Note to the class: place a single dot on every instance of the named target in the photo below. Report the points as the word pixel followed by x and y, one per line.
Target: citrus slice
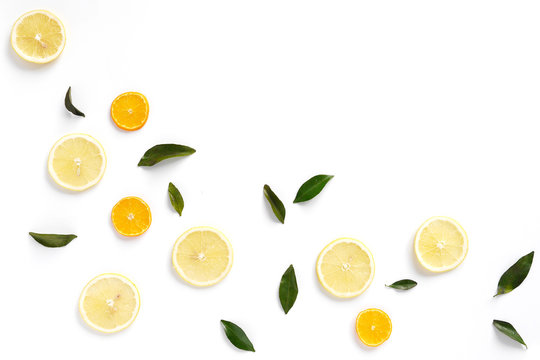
pixel 129 111
pixel 345 268
pixel 109 303
pixel 38 36
pixel 77 162
pixel 202 256
pixel 131 216
pixel 441 244
pixel 373 327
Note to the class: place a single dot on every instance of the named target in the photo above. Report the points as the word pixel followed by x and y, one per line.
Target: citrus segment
pixel 131 216
pixel 109 303
pixel 77 162
pixel 373 327
pixel 38 36
pixel 441 244
pixel 202 256
pixel 129 111
pixel 345 267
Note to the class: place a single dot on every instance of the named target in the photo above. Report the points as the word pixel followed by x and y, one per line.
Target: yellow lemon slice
pixel 109 303
pixel 441 244
pixel 77 162
pixel 202 256
pixel 345 268
pixel 38 36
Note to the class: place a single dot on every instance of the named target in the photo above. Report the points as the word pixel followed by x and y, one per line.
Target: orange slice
pixel 373 327
pixel 131 216
pixel 129 111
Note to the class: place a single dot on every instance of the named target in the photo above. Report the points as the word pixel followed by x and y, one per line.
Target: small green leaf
pixel 237 336
pixel 404 284
pixel 164 151
pixel 312 188
pixel 508 330
pixel 177 201
pixel 277 206
pixel 69 105
pixel 514 276
pixel 52 240
pixel 288 289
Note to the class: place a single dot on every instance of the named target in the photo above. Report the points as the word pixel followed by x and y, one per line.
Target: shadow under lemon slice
pixel 345 267
pixel 202 256
pixel 109 303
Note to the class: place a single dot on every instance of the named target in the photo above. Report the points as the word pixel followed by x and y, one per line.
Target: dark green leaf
pixel 404 284
pixel 514 276
pixel 52 240
pixel 177 201
pixel 312 188
pixel 508 330
pixel 164 151
pixel 69 105
pixel 237 336
pixel 277 206
pixel 288 289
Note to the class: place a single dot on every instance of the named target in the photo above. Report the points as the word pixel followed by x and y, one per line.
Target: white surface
pixel 418 108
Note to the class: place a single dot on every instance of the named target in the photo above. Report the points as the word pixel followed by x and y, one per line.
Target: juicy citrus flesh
pixel 109 303
pixel 373 327
pixel 77 162
pixel 131 216
pixel 345 267
pixel 202 256
pixel 129 111
pixel 441 244
pixel 38 36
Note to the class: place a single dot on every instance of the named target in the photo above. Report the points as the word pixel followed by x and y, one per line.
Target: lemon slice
pixel 109 303
pixel 441 244
pixel 38 36
pixel 202 256
pixel 345 268
pixel 77 162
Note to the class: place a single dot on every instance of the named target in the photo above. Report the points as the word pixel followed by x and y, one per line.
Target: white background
pixel 419 108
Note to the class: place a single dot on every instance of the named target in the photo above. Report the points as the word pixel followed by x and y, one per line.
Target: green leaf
pixel 312 188
pixel 404 284
pixel 508 330
pixel 52 240
pixel 69 105
pixel 164 151
pixel 177 201
pixel 514 276
pixel 237 336
pixel 288 289
pixel 277 206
